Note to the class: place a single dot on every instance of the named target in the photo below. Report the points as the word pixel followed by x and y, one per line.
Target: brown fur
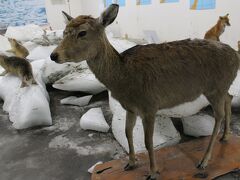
pixel 19 67
pixel 216 31
pixel 147 78
pixel 18 49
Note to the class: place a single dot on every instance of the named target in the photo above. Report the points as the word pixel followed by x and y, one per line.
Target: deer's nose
pixel 54 57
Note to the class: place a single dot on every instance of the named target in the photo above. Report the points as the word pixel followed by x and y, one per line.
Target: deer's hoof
pixel 202 165
pixel 151 178
pixel 129 167
pixel 224 139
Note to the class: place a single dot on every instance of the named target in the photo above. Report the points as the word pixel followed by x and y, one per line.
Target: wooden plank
pixel 177 162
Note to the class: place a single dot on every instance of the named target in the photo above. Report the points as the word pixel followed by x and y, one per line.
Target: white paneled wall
pixel 169 21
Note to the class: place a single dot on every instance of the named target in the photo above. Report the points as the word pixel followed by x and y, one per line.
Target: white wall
pixel 54 10
pixel 170 21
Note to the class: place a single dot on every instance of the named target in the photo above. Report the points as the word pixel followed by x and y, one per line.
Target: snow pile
pixel 84 81
pixel 5 45
pixel 93 119
pixel 186 109
pixel 72 100
pixel 28 106
pixel 165 133
pixel 24 33
pixel 235 87
pixel 198 125
pixel 53 71
pixel 40 52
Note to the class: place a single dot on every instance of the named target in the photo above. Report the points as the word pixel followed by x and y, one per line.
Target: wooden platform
pixel 177 162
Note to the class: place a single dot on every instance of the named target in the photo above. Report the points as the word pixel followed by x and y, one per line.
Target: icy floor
pixel 64 151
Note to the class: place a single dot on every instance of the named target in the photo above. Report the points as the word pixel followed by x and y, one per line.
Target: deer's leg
pixel 130 123
pixel 228 113
pixel 218 108
pixel 148 125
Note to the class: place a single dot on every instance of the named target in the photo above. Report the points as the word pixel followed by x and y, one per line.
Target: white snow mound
pixel 72 100
pixel 84 81
pixel 24 33
pixel 28 106
pixel 165 133
pixel 93 119
pixel 198 125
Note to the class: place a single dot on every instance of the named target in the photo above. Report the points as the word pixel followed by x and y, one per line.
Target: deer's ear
pixel 67 17
pixel 109 15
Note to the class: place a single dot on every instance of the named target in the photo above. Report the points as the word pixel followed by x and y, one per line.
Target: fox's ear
pixel 109 15
pixel 227 14
pixel 220 17
pixel 66 17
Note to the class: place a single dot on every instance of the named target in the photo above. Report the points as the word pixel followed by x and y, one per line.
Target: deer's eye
pixel 81 34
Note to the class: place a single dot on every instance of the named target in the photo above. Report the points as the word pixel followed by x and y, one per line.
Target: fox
pixel 18 49
pixel 19 67
pixel 216 31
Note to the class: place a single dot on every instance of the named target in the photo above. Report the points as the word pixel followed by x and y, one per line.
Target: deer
pixel 216 31
pixel 146 78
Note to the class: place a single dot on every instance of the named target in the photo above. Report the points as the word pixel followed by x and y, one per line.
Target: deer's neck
pixel 107 65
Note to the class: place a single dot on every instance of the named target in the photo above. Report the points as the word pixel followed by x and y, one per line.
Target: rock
pixel 198 125
pixel 165 133
pixel 72 100
pixel 93 119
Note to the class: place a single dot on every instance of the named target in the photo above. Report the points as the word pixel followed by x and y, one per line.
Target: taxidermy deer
pixel 147 78
pixel 216 31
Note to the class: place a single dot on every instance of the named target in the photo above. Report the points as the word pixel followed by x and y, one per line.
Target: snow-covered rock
pixel 40 52
pixel 198 125
pixel 84 81
pixel 24 33
pixel 30 45
pixel 236 102
pixel 90 170
pixel 93 119
pixel 186 109
pixel 72 100
pixel 28 106
pixel 235 87
pixel 5 45
pixel 165 133
pixel 53 71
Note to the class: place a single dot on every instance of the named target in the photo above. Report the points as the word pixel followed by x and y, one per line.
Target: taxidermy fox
pixel 19 67
pixel 18 49
pixel 216 31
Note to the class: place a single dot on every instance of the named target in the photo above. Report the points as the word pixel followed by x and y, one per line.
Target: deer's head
pixel 83 36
